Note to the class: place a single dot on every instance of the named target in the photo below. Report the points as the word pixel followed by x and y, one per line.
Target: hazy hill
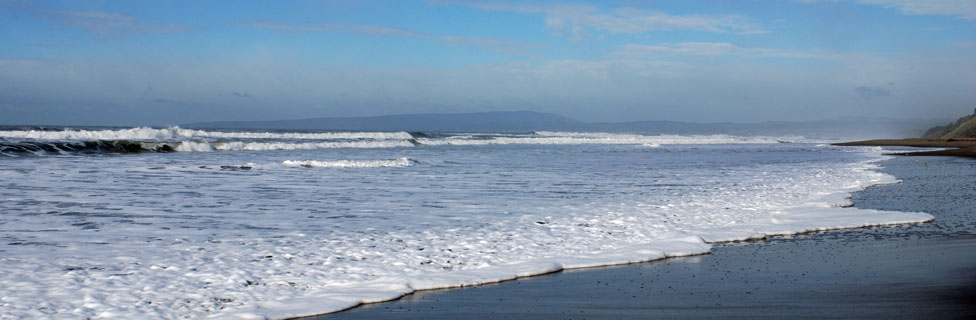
pixel 964 127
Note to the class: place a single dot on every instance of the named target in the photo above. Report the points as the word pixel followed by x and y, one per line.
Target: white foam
pixel 141 133
pixel 397 163
pixel 189 133
pixel 191 146
pixel 567 138
pixel 282 242
pixel 190 140
pixel 202 146
pixel 673 139
pixel 145 133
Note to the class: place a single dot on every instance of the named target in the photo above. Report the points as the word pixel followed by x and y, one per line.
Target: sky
pixel 170 62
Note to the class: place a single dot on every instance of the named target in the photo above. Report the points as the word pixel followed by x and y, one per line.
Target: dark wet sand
pixel 957 147
pixel 908 272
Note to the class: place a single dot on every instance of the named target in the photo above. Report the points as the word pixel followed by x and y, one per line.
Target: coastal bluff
pixel 959 137
pixel 964 127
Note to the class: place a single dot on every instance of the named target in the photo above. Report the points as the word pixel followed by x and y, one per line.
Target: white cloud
pixel 339 27
pixel 106 23
pixel 692 48
pixel 557 24
pixel 510 47
pixel 965 9
pixel 634 21
pixel 561 27
pixel 624 20
pixel 640 51
pixel 961 8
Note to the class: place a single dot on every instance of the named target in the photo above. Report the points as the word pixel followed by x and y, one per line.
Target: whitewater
pixel 181 223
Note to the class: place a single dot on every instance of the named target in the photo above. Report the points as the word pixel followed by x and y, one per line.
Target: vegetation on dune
pixel 964 127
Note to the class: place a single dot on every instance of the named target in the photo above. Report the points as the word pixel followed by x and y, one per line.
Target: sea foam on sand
pixel 827 210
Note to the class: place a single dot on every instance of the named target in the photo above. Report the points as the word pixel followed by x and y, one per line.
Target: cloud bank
pixel 609 90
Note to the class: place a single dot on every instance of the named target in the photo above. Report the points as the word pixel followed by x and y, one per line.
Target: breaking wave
pixel 176 133
pixel 545 137
pixel 14 143
pixel 266 146
pixel 79 147
pixel 27 148
pixel 395 163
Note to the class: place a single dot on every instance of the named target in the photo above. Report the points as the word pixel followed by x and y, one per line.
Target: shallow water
pixel 909 271
pixel 316 222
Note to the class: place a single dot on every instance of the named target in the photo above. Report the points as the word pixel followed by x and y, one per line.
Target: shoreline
pixel 826 221
pixel 965 147
pixel 489 300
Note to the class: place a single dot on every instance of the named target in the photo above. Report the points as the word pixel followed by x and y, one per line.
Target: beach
pixel 258 224
pixel 963 147
pixel 487 159
pixel 910 271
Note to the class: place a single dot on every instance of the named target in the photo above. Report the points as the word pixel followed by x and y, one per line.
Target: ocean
pixel 176 223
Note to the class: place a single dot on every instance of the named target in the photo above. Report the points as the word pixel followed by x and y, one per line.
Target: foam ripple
pixel 395 163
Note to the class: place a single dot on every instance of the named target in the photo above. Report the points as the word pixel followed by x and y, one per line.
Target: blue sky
pixel 162 63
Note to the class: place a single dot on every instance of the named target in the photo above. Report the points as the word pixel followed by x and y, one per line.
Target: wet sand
pixel 956 147
pixel 913 271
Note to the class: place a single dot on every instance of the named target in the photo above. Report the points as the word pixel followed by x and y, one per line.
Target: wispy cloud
pixel 961 8
pixel 106 23
pixel 47 45
pixel 510 47
pixel 965 45
pixel 714 48
pixel 566 19
pixel 965 9
pixel 868 93
pixel 339 27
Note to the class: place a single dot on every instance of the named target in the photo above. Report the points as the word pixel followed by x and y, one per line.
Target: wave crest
pixel 395 163
pixel 176 133
pixel 556 138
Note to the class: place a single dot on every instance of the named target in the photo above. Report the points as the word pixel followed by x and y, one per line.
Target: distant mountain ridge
pixel 524 121
pixel 478 121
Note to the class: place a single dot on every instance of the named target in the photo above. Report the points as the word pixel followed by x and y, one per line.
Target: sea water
pixel 177 223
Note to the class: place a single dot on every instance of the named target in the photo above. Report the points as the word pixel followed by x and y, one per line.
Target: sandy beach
pixel 954 147
pixel 911 271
